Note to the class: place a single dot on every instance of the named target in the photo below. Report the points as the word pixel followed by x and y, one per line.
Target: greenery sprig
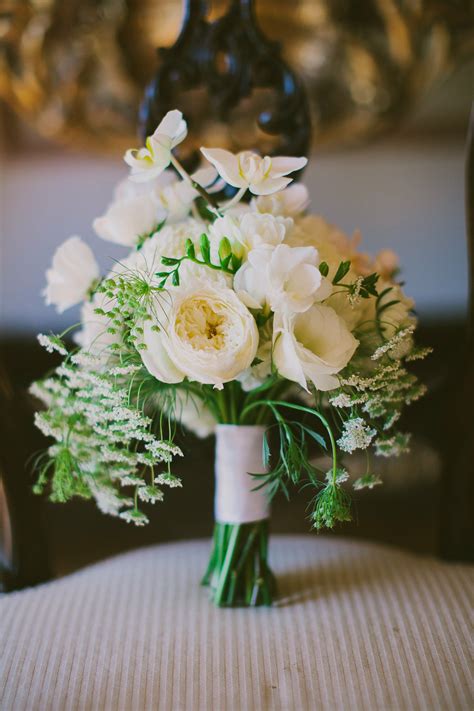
pixel 229 262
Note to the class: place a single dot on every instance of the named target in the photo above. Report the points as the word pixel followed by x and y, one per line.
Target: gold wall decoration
pixel 76 69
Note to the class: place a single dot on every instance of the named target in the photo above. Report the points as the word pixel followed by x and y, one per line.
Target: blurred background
pixel 390 86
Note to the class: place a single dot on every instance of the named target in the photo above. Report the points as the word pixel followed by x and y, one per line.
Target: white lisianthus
pixel 289 202
pixel 72 274
pixel 248 231
pixel 149 162
pixel 285 279
pixel 206 335
pixel 262 176
pixel 312 346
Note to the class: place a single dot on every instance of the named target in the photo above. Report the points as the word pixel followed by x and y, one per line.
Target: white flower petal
pixel 226 164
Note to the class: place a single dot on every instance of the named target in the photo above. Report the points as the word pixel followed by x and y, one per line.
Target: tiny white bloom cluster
pixel 356 435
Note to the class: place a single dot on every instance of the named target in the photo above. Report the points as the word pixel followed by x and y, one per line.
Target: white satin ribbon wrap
pixel 238 452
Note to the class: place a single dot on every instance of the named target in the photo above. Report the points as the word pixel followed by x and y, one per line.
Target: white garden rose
pixel 289 202
pixel 72 274
pixel 248 230
pixel 285 279
pixel 202 332
pixel 312 346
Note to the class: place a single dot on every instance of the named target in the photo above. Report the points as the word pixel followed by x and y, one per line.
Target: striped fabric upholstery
pixel 358 626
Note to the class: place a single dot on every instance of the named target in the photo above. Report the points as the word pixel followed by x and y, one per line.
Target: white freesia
pixel 248 231
pixel 150 161
pixel 248 170
pixel 206 334
pixel 285 279
pixel 72 273
pixel 289 202
pixel 312 346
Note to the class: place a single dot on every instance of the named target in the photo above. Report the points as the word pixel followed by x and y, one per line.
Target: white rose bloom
pixel 289 202
pixel 314 346
pixel 205 334
pixel 149 162
pixel 262 176
pixel 135 211
pixel 287 279
pixel 72 273
pixel 248 231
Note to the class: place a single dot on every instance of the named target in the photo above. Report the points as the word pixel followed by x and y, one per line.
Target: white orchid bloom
pixel 312 346
pixel 290 202
pixel 150 161
pixel 72 273
pixel 285 279
pixel 248 170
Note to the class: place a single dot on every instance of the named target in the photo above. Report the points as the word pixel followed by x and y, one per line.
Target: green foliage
pixel 229 262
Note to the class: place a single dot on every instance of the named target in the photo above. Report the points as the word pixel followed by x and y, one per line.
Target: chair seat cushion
pixel 358 626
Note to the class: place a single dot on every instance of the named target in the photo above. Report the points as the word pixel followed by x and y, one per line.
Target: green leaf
pixel 236 263
pixel 342 270
pixel 190 251
pixel 175 278
pixel 169 261
pixel 225 249
pixel 205 248
pixel 324 268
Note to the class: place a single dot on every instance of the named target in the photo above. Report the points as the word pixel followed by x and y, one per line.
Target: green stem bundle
pixel 238 573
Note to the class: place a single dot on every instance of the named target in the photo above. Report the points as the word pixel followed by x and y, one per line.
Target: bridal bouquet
pixel 248 319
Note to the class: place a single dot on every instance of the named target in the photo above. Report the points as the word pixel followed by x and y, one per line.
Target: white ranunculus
pixel 312 346
pixel 149 162
pixel 262 176
pixel 289 202
pixel 248 231
pixel 202 332
pixel 71 275
pixel 286 279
